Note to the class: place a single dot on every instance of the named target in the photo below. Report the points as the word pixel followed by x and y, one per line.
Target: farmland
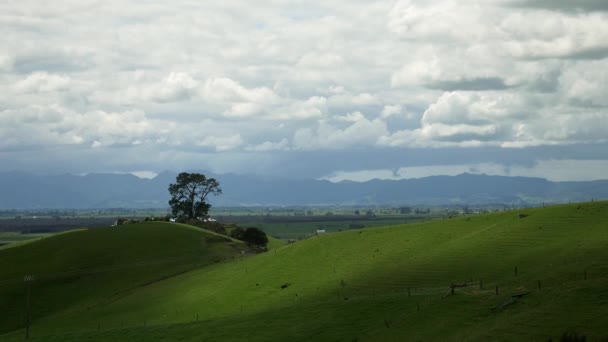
pixel 529 274
pixel 301 227
pixel 281 223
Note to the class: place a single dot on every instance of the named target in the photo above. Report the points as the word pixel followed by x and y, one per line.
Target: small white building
pixel 320 231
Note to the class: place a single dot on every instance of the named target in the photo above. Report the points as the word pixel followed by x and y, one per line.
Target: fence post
pixel 516 271
pixel 497 290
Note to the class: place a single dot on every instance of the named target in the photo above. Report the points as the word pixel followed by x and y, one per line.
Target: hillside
pixel 87 268
pixel 377 284
pixel 27 191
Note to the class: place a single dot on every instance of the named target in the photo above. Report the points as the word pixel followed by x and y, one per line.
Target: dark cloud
pixel 471 84
pixel 50 62
pixel 565 5
pixel 546 83
pixel 597 53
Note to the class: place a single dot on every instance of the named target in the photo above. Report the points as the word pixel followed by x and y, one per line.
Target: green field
pixel 12 239
pixel 294 228
pixel 376 284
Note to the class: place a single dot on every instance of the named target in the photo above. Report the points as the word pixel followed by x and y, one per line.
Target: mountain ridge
pixel 20 190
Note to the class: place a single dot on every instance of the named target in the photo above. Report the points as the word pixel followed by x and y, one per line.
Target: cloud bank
pixel 226 85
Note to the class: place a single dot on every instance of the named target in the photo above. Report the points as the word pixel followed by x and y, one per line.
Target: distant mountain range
pixel 27 191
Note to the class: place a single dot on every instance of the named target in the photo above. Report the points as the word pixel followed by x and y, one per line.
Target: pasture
pixel 376 284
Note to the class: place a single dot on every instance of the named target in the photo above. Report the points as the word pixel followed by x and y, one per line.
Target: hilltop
pixel 548 265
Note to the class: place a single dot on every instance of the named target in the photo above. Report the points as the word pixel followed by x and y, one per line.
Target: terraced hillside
pixel 533 274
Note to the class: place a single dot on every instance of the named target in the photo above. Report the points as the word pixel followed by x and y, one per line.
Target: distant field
pixel 372 284
pixel 279 225
pixel 50 224
pixel 301 227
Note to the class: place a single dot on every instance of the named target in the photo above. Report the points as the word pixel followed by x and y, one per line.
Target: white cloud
pixel 320 60
pixel 282 145
pixel 534 34
pixel 43 82
pixel 176 86
pixel 226 90
pixel 6 62
pixel 422 20
pixel 311 108
pixel 345 99
pixel 391 110
pixel 362 132
pixel 587 83
pixel 221 143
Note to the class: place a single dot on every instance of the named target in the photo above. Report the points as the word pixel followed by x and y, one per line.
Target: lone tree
pixel 189 194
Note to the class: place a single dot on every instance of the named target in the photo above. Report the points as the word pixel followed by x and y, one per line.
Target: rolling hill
pixel 85 268
pixel 532 274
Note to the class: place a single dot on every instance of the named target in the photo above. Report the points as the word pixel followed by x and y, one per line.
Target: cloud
pixel 473 119
pixel 563 5
pixel 221 143
pixel 176 86
pixel 227 81
pixel 225 89
pixel 320 60
pixel 586 83
pixel 266 146
pixel 42 82
pixel 419 20
pixel 6 62
pixel 360 132
pixel 390 110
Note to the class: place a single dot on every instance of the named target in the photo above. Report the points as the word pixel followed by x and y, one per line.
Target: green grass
pixel 13 239
pixel 274 243
pixel 85 268
pixel 377 284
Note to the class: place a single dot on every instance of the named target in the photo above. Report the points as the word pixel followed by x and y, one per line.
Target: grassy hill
pixel 85 268
pixel 390 283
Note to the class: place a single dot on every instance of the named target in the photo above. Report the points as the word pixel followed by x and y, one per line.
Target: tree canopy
pixel 252 236
pixel 189 194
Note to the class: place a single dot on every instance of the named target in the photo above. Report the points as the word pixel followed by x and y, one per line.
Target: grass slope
pixel 12 239
pixel 83 269
pixel 379 284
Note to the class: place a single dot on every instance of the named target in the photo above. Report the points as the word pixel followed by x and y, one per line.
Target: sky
pixel 343 90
